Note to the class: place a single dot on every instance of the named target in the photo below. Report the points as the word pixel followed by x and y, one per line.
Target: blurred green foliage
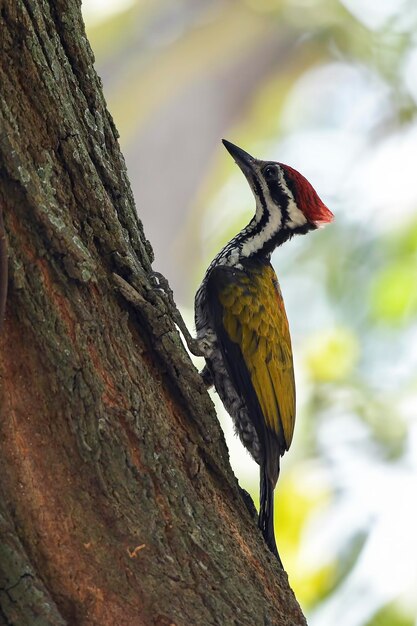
pixel 391 615
pixel 332 356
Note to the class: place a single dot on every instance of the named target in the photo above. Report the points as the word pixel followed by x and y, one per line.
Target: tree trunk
pixel 117 502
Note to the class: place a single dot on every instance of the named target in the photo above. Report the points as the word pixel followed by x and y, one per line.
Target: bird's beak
pixel 243 159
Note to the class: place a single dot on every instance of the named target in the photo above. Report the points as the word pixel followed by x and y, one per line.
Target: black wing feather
pixel 220 277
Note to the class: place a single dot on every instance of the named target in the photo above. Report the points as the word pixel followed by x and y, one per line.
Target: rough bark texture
pixel 117 502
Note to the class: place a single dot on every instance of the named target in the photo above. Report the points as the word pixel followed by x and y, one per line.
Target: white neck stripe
pixel 295 216
pixel 258 240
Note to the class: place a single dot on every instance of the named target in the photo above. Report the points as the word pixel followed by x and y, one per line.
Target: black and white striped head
pixel 286 203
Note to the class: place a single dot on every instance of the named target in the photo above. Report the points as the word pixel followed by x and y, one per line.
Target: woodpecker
pixel 241 323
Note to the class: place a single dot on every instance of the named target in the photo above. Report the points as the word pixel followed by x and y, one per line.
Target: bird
pixel 241 323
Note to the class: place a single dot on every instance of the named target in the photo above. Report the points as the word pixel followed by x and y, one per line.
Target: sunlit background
pixel 329 87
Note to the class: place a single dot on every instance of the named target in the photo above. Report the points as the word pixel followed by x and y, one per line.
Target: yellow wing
pixel 253 318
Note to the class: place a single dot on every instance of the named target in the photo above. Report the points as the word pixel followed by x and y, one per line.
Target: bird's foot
pixel 207 377
pixel 161 284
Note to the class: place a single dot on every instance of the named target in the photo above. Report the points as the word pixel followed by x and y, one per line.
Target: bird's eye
pixel 270 171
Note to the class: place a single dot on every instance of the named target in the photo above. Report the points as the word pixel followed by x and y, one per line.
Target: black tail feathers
pixel 266 512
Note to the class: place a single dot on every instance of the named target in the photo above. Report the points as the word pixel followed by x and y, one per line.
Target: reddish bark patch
pixel 56 509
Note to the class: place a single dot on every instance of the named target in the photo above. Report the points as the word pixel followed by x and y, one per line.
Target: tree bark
pixel 117 502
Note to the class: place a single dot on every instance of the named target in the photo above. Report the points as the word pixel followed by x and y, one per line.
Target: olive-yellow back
pixel 254 318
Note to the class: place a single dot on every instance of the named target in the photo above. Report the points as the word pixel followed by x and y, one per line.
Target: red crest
pixel 306 197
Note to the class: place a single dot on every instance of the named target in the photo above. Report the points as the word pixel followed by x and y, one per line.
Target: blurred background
pixel 329 87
